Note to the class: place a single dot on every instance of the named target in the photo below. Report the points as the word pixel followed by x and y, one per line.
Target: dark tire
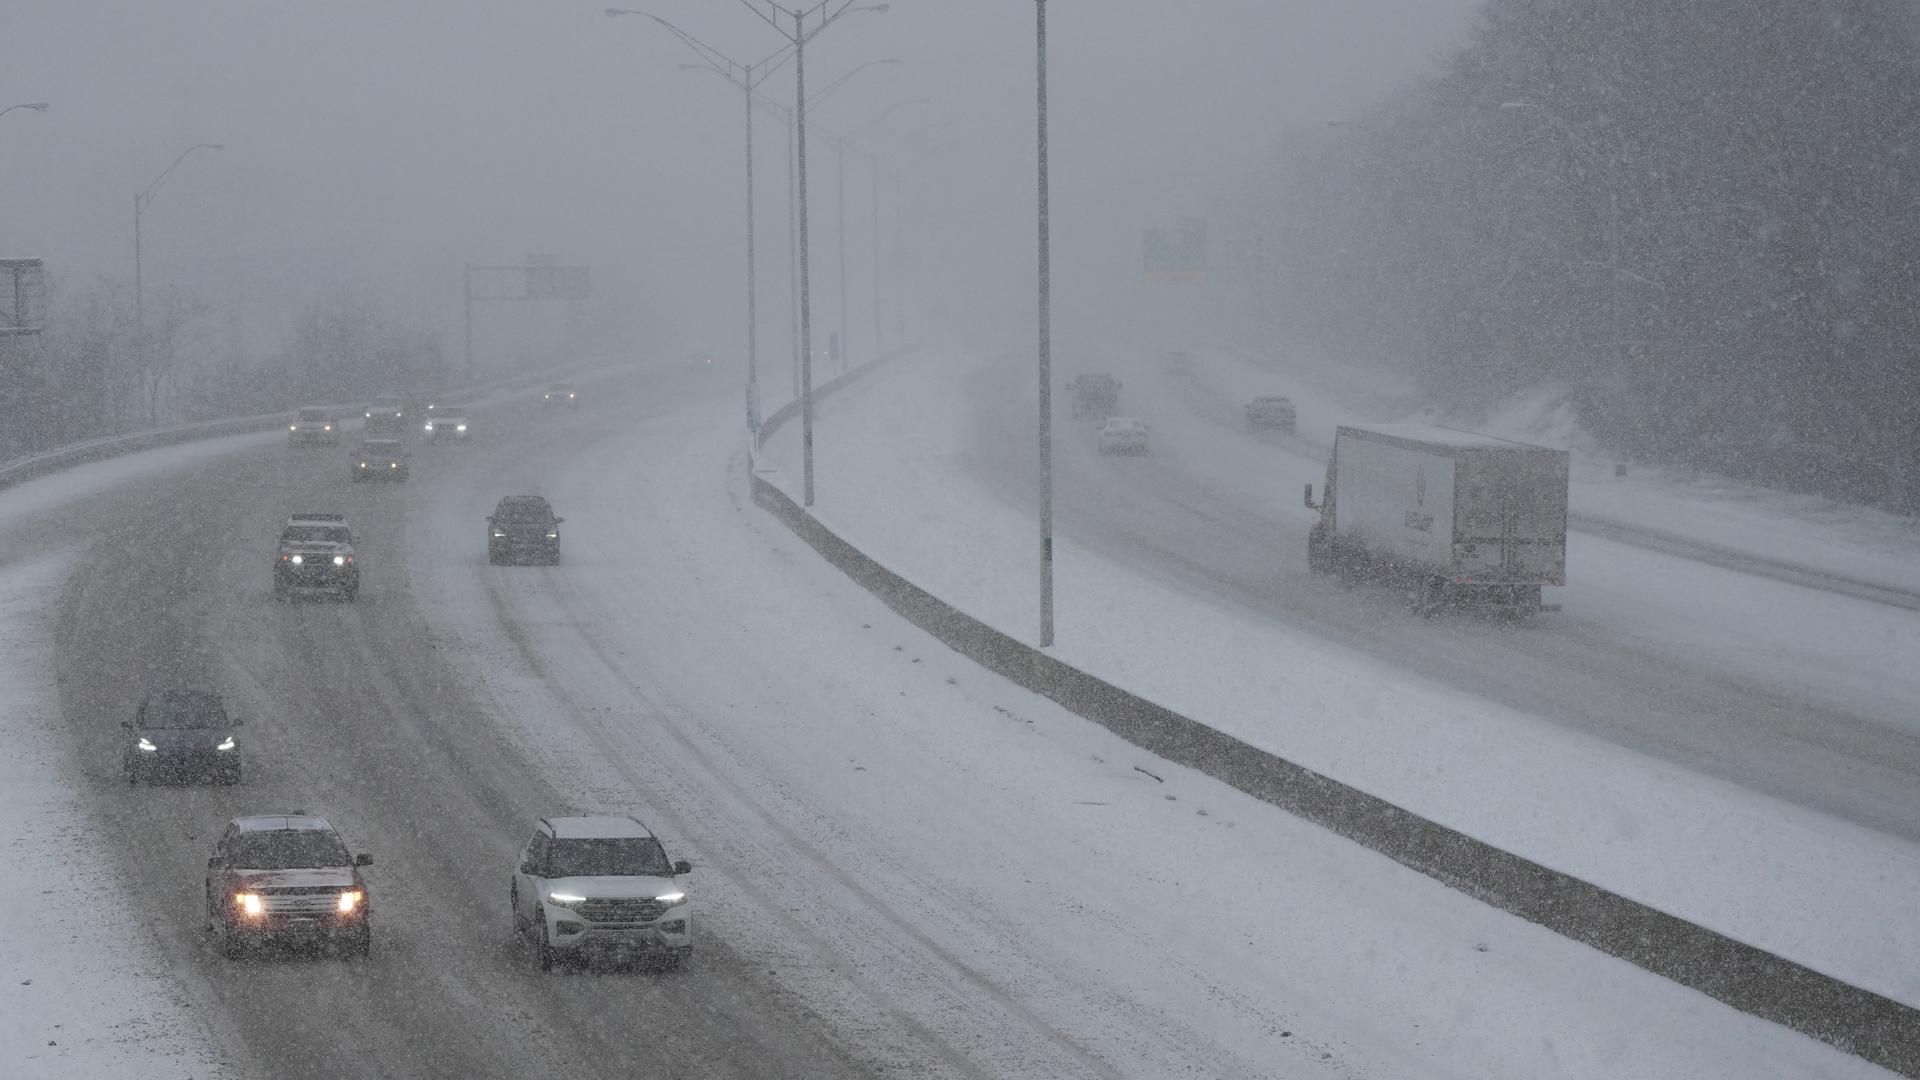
pixel 542 948
pixel 513 910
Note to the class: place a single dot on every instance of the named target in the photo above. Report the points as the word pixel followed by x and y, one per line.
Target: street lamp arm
pixel 36 106
pixel 814 100
pixel 771 13
pixel 740 74
pixel 145 197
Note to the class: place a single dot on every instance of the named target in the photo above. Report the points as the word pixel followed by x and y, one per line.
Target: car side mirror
pixel 239 721
pixel 213 863
pixel 526 867
pixel 1311 505
pixel 558 520
pixel 128 724
pixel 682 867
pixel 363 859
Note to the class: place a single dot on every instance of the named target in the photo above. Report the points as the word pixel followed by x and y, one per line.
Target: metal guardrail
pixel 1750 979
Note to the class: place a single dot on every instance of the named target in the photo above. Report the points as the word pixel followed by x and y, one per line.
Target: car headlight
pixel 672 899
pixel 565 900
pixel 429 426
pixel 349 901
pixel 459 427
pixel 146 744
pixel 339 560
pixel 369 416
pixel 393 464
pixel 569 397
pixel 295 559
pixel 499 535
pixel 225 744
pixel 326 427
pixel 553 536
pixel 363 464
pixel 249 903
pixel 293 427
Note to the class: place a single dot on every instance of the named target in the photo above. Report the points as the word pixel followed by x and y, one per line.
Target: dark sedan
pixel 180 735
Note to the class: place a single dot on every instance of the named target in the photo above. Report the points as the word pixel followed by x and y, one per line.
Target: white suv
pixel 601 885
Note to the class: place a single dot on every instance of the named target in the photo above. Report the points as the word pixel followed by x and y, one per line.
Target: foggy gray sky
pixel 383 143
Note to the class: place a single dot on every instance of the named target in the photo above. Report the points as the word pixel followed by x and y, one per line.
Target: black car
pixel 521 529
pixel 380 459
pixel 316 552
pixel 180 735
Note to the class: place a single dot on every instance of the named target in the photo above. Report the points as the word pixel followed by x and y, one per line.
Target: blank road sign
pixel 23 296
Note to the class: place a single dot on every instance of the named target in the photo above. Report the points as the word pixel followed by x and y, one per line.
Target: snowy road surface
pixel 1657 741
pixel 903 866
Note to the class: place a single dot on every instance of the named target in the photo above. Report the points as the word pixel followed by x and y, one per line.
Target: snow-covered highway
pixel 904 867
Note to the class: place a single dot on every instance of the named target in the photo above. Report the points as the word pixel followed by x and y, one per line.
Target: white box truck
pixel 1454 516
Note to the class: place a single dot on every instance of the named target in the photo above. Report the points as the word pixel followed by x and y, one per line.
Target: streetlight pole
pixel 141 200
pixel 726 68
pixel 1046 343
pixel 798 39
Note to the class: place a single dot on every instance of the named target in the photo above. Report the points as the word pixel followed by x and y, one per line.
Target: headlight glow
pixel 459 427
pixel 553 536
pixel 349 900
pixel 295 560
pixel 339 560
pixel 429 425
pixel 569 397
pixel 363 464
pixel 672 898
pixel 499 535
pixel 146 744
pixel 249 903
pixel 393 464
pixel 225 744
pixel 327 427
pixel 565 899
pixel 293 427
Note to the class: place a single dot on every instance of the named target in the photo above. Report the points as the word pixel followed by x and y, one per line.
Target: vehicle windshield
pixel 315 534
pixel 524 511
pixel 313 414
pixel 622 857
pixel 379 449
pixel 288 849
pixel 185 711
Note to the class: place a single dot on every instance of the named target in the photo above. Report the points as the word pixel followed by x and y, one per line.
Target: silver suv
pixel 590 886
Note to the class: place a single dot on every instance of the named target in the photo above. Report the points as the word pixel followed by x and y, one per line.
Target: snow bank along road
pixel 903 867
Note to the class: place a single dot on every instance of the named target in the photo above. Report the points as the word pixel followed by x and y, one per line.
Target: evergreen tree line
pixel 92 373
pixel 1702 219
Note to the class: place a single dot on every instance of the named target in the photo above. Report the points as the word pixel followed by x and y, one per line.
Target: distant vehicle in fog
pixel 447 425
pixel 180 735
pixel 1270 412
pixel 381 459
pixel 313 426
pixel 386 416
pixel 523 528
pixel 1123 435
pixel 1453 516
pixel 559 394
pixel 287 878
pixel 601 886
pixel 1093 396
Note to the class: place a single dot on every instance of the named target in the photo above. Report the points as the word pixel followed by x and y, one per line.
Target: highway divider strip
pixel 1752 980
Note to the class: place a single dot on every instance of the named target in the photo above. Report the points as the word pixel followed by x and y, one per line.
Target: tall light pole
pixel 798 39
pixel 1607 166
pixel 141 200
pixel 840 177
pixel 1046 343
pixel 744 77
pixel 36 106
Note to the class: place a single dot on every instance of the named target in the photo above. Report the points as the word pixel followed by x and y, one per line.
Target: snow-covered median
pixel 83 992
pixel 893 480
